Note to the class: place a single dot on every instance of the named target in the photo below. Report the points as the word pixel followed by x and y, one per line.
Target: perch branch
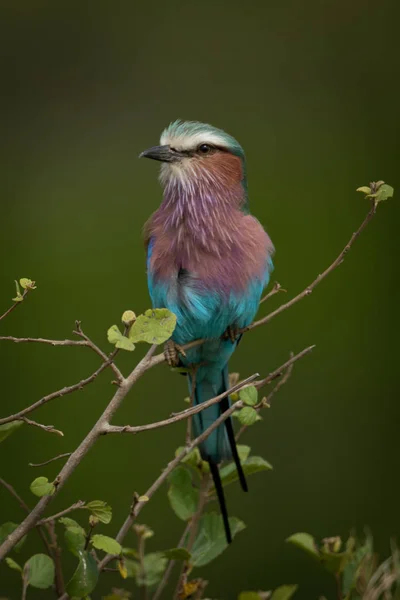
pixel 75 506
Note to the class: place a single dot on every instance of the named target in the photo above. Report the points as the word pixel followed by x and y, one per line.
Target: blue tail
pixel 220 444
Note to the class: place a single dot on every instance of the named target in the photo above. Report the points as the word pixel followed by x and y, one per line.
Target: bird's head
pixel 197 153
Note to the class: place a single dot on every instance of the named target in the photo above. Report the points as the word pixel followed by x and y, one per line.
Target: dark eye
pixel 204 148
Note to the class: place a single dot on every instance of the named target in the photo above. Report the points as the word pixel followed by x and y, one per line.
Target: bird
pixel 208 261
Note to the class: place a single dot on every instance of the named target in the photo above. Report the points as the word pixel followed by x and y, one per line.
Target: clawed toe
pixel 232 333
pixel 172 352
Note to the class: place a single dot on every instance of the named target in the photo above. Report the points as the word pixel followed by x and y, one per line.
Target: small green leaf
pixel 364 189
pixel 115 337
pixel 177 554
pixel 243 452
pixel 132 567
pixel 211 541
pixel 193 459
pixel 107 544
pixel 249 596
pixel 100 509
pixel 253 464
pixel 5 531
pixel 154 327
pixel 154 565
pixel 18 297
pixel 284 592
pixel 247 416
pixel 41 486
pixel 75 539
pixel 183 496
pixel 384 192
pixel 85 578
pixel 13 565
pixel 67 522
pixel 128 317
pixel 9 428
pixel 249 395
pixel 39 571
pixel 306 542
pixel 27 283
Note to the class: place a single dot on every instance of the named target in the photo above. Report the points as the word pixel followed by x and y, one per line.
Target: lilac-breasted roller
pixel 208 260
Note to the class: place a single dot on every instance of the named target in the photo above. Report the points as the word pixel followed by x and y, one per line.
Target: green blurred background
pixel 311 92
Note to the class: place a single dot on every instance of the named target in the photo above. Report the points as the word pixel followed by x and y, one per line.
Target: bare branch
pixel 48 428
pixel 278 372
pixel 308 290
pixel 24 340
pixel 275 290
pixel 184 414
pixel 62 392
pixel 46 462
pixel 75 506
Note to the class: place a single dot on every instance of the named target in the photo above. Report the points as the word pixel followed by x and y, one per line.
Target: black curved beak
pixel 162 153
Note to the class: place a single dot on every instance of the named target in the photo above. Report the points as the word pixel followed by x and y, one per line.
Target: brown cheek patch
pixel 225 166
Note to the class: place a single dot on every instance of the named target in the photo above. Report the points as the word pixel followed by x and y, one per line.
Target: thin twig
pixel 109 359
pixel 308 290
pixel 275 290
pixel 59 577
pixel 22 340
pixel 58 394
pixel 48 428
pixel 14 306
pixel 75 506
pixel 184 414
pixel 46 462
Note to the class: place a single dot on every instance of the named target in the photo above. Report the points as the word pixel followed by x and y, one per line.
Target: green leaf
pixel 253 464
pixel 100 509
pixel 154 565
pixel 306 542
pixel 177 554
pixel 364 189
pixel 27 283
pixel 247 416
pixel 39 571
pixel 352 568
pixel 384 192
pixel 154 327
pixel 75 539
pixel 5 531
pixel 12 564
pixel 115 337
pixel 9 428
pixel 249 395
pixel 211 541
pixel 243 451
pixel 107 544
pixel 284 592
pixel 41 486
pixel 128 317
pixel 249 596
pixel 85 578
pixel 183 496
pixel 193 459
pixel 71 523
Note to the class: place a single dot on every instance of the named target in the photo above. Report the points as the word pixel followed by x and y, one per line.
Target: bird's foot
pixel 232 333
pixel 172 352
